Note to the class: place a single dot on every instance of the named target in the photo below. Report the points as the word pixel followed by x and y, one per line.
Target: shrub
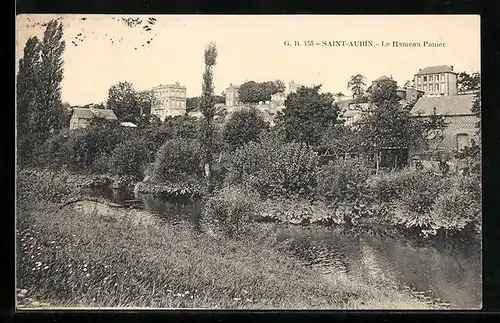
pixel 51 153
pixel 230 211
pixel 410 195
pixel 418 188
pixel 128 158
pixel 460 206
pixel 274 168
pixel 45 184
pixel 454 210
pixel 84 146
pixel 342 180
pixel 177 160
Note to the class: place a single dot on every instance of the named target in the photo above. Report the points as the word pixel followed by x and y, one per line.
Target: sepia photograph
pixel 302 162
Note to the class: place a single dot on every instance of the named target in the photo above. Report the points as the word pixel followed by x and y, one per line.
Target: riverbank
pixel 97 258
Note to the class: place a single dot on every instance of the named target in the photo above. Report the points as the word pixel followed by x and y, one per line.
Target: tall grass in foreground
pixel 72 258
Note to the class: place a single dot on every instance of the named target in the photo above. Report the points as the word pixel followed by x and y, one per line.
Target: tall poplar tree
pixel 207 108
pixel 26 90
pixel 49 108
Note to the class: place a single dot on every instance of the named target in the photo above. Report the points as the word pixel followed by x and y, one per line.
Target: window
pixel 425 87
pixel 425 78
pixel 462 141
pixel 437 77
pixel 437 87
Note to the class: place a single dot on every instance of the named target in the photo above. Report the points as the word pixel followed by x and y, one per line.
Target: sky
pixel 102 50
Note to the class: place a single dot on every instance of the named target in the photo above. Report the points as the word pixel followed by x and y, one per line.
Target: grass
pixel 96 257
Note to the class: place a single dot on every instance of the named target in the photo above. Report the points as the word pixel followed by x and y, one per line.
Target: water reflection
pixel 440 277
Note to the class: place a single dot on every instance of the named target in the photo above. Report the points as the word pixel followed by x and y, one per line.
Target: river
pixel 443 275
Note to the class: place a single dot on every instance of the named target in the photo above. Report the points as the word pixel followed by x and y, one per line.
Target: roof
pixel 104 113
pixel 83 113
pixel 435 69
pixel 128 124
pixel 88 113
pixel 445 105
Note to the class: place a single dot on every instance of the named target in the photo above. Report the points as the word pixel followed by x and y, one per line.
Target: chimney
pixel 419 69
pixel 451 66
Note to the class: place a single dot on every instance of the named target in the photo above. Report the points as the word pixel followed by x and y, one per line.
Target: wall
pixel 447 145
pixel 168 100
pixel 77 123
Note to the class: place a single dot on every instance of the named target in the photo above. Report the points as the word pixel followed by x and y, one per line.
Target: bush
pixel 230 211
pixel 418 187
pixel 454 210
pixel 85 146
pixel 460 206
pixel 410 195
pixel 51 153
pixel 128 158
pixel 274 168
pixel 177 160
pixel 342 181
pixel 45 184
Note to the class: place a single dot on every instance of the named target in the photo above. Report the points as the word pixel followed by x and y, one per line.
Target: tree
pixel 122 99
pixel 26 89
pixel 383 90
pixel 144 100
pixel 356 84
pixel 207 107
pixel 49 109
pixel 468 82
pixel 243 126
pixel 307 115
pixel 252 92
pixel 341 140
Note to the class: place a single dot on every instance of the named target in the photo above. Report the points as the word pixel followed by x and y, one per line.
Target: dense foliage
pixel 343 181
pixel 252 92
pixel 231 211
pixel 242 127
pixel 307 115
pixel 274 168
pixel 177 160
pixel 129 158
pixel 39 107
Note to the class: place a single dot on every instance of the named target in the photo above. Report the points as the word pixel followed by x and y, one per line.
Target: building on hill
pixel 460 130
pixel 168 100
pixel 81 117
pixel 232 96
pixel 436 80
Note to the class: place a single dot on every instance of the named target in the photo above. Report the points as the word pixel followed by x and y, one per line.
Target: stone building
pixel 232 97
pixel 436 80
pixel 168 100
pixel 460 130
pixel 80 118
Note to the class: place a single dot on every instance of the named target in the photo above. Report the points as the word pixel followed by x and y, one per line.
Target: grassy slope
pixel 72 257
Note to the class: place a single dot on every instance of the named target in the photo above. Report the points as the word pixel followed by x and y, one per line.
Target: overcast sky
pixel 250 48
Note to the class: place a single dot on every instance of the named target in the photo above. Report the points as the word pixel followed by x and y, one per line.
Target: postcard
pixel 248 162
